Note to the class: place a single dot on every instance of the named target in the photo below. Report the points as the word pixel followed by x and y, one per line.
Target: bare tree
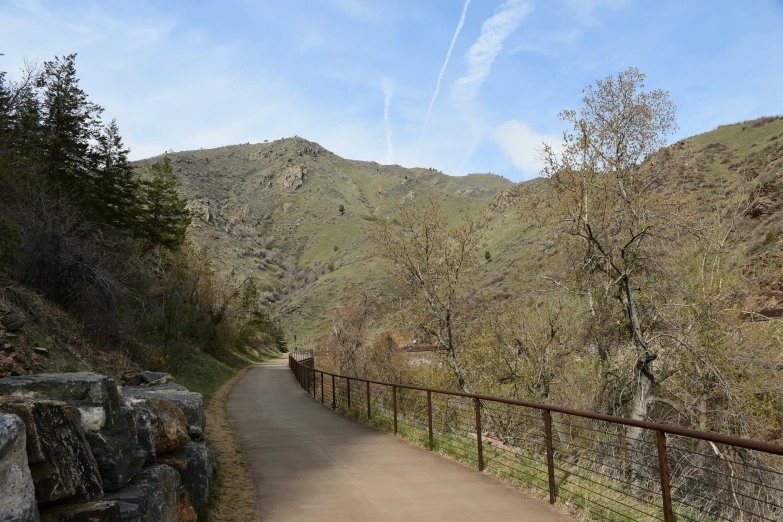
pixel 433 265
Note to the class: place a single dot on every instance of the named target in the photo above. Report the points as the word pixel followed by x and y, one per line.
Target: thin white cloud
pixel 585 9
pixel 507 18
pixel 386 85
pixel 440 75
pixel 480 57
pixel 522 145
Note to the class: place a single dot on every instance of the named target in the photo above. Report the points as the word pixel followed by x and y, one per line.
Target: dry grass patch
pixel 234 495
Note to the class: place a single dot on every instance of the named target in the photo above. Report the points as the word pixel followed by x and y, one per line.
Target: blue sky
pixel 360 76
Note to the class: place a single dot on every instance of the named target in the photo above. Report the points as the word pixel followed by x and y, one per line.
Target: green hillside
pixel 271 211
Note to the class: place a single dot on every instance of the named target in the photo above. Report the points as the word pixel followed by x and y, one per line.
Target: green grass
pixel 310 228
pixel 204 374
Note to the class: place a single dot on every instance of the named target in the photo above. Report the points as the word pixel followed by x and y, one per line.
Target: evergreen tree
pixel 163 217
pixel 70 122
pixel 112 194
pixel 20 126
pixel 6 111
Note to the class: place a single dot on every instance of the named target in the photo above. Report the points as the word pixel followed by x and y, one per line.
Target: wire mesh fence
pixel 609 468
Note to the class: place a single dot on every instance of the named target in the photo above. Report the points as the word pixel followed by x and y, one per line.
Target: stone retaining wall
pixel 77 447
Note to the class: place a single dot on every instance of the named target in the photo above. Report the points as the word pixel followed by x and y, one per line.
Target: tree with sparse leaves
pixel 608 201
pixel 434 265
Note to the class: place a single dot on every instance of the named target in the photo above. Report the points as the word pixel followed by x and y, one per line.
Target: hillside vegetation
pixel 308 227
pixel 95 269
pixel 271 211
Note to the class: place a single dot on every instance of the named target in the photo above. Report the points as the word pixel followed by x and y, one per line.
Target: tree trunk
pixel 637 447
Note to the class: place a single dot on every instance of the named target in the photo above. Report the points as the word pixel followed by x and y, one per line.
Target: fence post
pixel 368 400
pixel 313 381
pixel 550 458
pixel 477 405
pixel 348 387
pixel 334 395
pixel 429 416
pixel 322 387
pixel 394 406
pixel 663 466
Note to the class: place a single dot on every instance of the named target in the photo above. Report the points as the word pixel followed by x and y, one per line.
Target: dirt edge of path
pixel 234 494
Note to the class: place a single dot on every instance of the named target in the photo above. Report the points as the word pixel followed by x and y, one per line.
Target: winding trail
pixel 311 463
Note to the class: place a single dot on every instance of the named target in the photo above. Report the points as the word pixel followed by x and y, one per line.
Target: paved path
pixel 311 463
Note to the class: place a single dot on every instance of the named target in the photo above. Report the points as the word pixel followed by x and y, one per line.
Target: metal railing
pixel 613 468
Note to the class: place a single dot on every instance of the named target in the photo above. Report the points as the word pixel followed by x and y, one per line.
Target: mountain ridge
pixel 271 211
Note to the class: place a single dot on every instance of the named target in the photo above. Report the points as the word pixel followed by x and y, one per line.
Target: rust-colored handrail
pixel 711 436
pixel 299 360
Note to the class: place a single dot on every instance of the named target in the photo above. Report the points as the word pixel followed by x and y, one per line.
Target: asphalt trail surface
pixel 310 463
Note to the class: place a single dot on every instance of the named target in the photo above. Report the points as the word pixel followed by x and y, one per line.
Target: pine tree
pixel 6 111
pixel 163 216
pixel 20 122
pixel 70 122
pixel 112 194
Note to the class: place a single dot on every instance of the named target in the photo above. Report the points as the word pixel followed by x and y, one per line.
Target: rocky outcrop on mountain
pixel 199 208
pixel 292 177
pixel 76 448
pixel 502 201
pixel 17 494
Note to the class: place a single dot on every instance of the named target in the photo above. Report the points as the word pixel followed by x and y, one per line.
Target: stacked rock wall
pixel 77 447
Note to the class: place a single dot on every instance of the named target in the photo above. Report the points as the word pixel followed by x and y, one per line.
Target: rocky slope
pixel 271 211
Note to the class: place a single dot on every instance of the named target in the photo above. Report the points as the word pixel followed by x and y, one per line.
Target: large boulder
pixel 151 496
pixel 17 494
pixel 191 403
pixel 59 457
pixel 169 427
pixel 109 424
pixel 196 466
pixel 101 511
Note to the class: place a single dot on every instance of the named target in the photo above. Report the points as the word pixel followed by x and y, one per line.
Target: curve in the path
pixel 311 463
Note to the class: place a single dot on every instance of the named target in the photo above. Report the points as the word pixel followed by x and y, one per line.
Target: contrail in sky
pixel 386 84
pixel 480 57
pixel 440 76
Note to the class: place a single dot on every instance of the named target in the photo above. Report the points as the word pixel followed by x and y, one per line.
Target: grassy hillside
pixel 271 211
